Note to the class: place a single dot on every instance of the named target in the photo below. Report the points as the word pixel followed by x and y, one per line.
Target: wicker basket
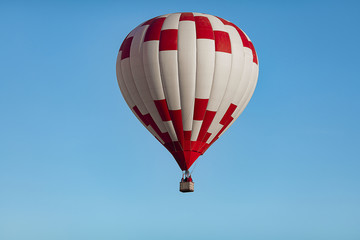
pixel 186 186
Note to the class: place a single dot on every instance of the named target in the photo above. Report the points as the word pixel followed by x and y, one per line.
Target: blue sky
pixel 76 164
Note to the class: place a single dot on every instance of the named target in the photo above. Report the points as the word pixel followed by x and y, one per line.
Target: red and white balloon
pixel 187 77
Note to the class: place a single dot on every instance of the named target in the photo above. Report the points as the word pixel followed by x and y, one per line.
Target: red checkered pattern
pixel 187 77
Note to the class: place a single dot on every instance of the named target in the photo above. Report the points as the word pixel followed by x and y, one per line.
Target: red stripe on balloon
pixel 178 147
pixel 168 39
pixel 154 30
pixel 203 28
pixel 163 110
pixel 195 146
pixel 169 146
pixel 206 137
pixel 227 116
pixel 187 135
pixel 198 146
pixel 187 140
pixel 148 22
pixel 244 39
pixel 226 120
pixel 218 134
pixel 247 43
pixel 188 16
pixel 176 119
pixel 164 136
pixel 222 42
pixel 180 159
pixel 255 59
pixel 125 47
pixel 225 22
pixel 142 117
pixel 200 108
pixel 148 120
pixel 122 44
pixel 204 148
pixel 208 118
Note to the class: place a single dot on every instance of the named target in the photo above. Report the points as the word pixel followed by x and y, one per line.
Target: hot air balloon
pixel 187 77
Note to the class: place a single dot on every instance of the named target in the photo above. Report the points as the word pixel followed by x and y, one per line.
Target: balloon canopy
pixel 187 77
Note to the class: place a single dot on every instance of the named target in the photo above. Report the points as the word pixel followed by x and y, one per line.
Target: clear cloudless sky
pixel 76 164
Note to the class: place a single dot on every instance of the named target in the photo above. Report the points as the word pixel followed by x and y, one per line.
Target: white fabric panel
pixel 130 85
pixel 250 90
pixel 200 14
pixel 123 88
pixel 170 78
pixel 152 69
pixel 138 73
pixel 205 50
pixel 171 131
pixel 132 33
pixel 187 71
pixel 221 78
pixel 195 130
pixel 171 21
pixel 216 23
pixel 247 36
pixel 237 66
pixel 121 83
pixel 163 16
pixel 245 77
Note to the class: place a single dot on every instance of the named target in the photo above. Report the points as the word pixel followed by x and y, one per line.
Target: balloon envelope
pixel 187 77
